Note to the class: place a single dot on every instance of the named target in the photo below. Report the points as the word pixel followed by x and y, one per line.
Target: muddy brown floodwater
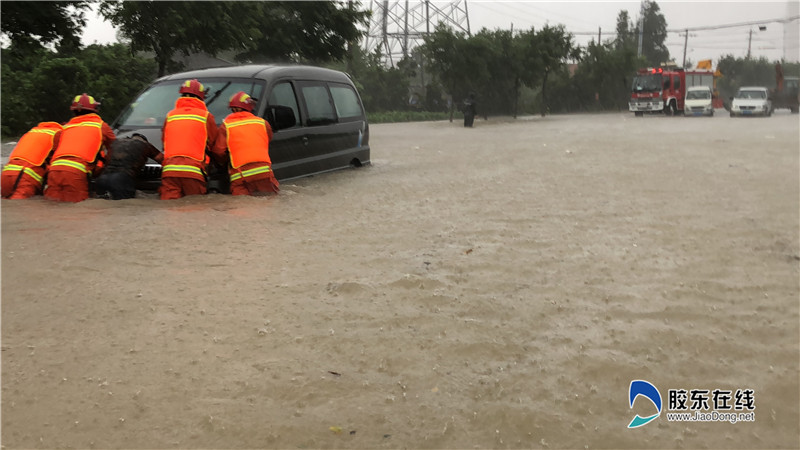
pixel 497 287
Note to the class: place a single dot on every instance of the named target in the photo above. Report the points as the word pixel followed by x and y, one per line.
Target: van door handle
pixel 305 140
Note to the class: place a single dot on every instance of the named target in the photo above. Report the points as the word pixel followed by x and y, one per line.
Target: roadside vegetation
pixel 535 71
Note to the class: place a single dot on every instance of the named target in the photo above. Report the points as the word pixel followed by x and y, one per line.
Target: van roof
pixel 264 72
pixel 698 88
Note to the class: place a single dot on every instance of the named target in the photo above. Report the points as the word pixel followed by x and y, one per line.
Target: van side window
pixel 318 104
pixel 282 95
pixel 346 102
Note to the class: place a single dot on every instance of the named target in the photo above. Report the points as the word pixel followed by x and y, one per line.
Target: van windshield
pixel 703 94
pixel 152 105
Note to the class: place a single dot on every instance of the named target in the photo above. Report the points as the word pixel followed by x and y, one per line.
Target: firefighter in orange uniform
pixel 245 138
pixel 23 175
pixel 80 152
pixel 188 133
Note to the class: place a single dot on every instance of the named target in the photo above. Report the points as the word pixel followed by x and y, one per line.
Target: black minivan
pixel 316 115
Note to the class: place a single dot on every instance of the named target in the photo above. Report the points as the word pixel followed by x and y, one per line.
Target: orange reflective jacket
pixel 248 141
pixel 185 132
pixel 36 144
pixel 82 138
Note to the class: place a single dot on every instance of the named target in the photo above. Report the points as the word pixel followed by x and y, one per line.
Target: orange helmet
pixel 84 102
pixel 242 100
pixel 193 87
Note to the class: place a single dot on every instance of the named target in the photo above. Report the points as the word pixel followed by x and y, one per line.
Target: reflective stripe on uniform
pixel 28 170
pixel 250 172
pixel 84 124
pixel 181 168
pixel 256 121
pixel 39 130
pixel 12 168
pixel 68 163
pixel 186 117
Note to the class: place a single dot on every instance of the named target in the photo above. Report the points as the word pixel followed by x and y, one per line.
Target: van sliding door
pixel 288 141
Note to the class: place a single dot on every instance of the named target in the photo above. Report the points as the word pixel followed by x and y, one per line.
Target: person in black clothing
pixel 127 157
pixel 470 110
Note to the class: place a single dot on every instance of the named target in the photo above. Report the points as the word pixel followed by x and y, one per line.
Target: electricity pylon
pixel 396 27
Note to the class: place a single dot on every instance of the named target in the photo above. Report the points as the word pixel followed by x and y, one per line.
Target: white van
pixel 698 102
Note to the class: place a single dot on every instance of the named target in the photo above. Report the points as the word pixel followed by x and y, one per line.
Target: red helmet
pixel 193 87
pixel 242 100
pixel 84 102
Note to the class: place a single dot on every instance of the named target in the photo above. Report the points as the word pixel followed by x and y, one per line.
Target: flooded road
pixel 499 287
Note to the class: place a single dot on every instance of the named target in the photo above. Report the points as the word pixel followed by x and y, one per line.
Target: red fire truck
pixel 664 89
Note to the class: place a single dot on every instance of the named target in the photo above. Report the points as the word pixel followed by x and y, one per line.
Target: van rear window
pixel 346 102
pixel 318 104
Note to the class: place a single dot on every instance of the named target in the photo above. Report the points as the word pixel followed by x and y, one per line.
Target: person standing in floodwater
pixel 470 110
pixel 188 133
pixel 80 152
pixel 245 139
pixel 23 176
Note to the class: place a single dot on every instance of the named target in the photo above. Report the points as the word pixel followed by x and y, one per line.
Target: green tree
pixel 39 85
pixel 545 52
pixel 57 81
pixel 625 37
pixel 496 65
pixel 604 76
pixel 115 76
pixel 17 89
pixel 444 51
pixel 168 27
pixel 258 31
pixel 315 32
pixel 28 24
pixel 499 89
pixel 654 50
pixel 738 72
pixel 382 88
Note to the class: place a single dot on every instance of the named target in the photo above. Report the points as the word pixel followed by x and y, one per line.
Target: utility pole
pixel 598 35
pixel 641 28
pixel 405 33
pixel 749 41
pixel 685 43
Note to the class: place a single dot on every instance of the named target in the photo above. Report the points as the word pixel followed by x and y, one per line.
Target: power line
pixel 710 27
pixel 733 25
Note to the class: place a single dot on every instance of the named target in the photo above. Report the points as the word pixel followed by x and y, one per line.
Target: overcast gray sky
pixel 583 18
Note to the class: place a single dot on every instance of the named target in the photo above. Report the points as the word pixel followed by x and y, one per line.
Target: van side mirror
pixel 280 117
